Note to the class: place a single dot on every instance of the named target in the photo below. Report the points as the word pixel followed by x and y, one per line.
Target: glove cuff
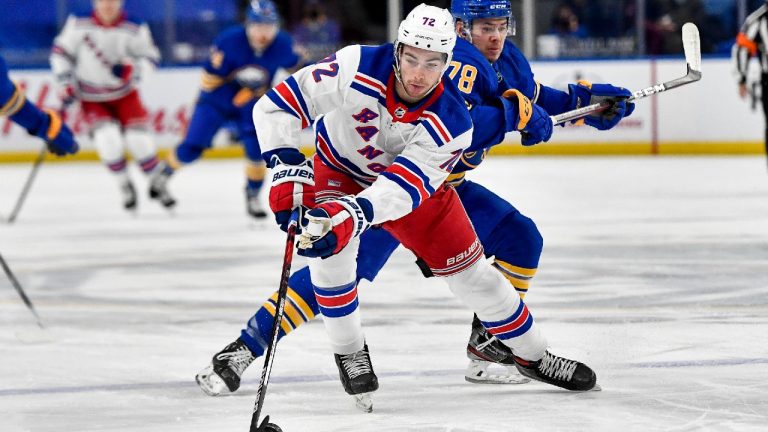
pixel 285 156
pixel 580 95
pixel 524 107
pixel 54 127
pixel 361 211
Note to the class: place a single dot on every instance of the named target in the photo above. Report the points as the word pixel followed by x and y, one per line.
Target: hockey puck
pixel 271 427
pixel 265 426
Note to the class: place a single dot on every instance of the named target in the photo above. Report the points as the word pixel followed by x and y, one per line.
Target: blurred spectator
pixel 658 24
pixel 184 28
pixel 721 23
pixel 603 18
pixel 665 18
pixel 565 22
pixel 317 34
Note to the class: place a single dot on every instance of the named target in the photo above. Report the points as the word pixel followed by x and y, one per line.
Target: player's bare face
pixel 108 11
pixel 261 35
pixel 420 71
pixel 488 35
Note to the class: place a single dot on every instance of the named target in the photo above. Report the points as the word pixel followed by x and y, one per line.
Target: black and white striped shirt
pixel 751 41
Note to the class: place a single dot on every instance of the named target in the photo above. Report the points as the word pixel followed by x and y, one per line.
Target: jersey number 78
pixel 467 77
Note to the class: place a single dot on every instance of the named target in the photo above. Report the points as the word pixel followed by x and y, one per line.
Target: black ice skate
pixel 225 370
pixel 158 187
pixel 483 350
pixel 128 193
pixel 253 204
pixel 357 377
pixel 559 371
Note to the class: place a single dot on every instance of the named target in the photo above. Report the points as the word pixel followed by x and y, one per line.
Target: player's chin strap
pixel 466 32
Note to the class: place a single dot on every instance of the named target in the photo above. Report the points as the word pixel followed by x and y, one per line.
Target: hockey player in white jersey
pixel 388 133
pixel 98 60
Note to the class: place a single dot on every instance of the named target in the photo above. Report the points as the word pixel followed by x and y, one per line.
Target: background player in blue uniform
pixel 241 68
pixel 499 88
pixel 45 124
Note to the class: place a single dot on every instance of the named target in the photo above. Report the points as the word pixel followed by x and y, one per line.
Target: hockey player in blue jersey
pixel 46 124
pixel 496 81
pixel 242 65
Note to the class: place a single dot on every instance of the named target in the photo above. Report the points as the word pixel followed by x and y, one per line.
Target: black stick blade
pixel 265 425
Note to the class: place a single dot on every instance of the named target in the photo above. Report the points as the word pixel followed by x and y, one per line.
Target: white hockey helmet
pixel 427 27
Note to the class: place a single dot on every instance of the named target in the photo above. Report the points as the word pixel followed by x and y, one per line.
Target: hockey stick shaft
pixel 20 290
pixel 692 49
pixel 281 295
pixel 27 185
pixel 576 114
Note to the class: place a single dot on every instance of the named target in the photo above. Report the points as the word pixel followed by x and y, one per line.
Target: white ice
pixel 654 272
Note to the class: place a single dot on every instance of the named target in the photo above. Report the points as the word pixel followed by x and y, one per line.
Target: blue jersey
pixel 474 76
pixel 482 83
pixel 11 97
pixel 235 75
pixel 515 72
pixel 15 105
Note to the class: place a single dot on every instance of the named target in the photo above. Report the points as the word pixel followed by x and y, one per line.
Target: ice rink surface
pixel 654 272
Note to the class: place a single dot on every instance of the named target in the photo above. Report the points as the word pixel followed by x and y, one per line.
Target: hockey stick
pixel 692 48
pixel 282 292
pixel 27 186
pixel 21 292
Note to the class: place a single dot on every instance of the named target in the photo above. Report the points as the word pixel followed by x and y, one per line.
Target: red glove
pixel 124 71
pixel 293 184
pixel 67 96
pixel 328 228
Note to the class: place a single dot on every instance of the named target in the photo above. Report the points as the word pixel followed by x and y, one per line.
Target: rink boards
pixel 704 118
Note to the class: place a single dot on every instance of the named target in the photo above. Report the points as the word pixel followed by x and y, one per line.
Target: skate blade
pixel 596 388
pixel 497 379
pixel 363 402
pixel 477 373
pixel 210 383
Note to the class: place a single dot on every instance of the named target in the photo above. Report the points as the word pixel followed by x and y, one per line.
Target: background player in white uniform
pixel 99 60
pixel 386 141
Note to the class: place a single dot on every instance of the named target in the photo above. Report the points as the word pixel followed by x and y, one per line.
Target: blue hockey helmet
pixel 262 12
pixel 469 10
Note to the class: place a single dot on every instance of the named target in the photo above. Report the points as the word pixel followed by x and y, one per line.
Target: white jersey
pixel 85 51
pixel 403 153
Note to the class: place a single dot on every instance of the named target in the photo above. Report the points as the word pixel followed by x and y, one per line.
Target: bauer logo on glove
pixel 294 173
pixel 293 184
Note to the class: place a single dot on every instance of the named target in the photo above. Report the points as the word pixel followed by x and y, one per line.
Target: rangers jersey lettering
pixel 402 152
